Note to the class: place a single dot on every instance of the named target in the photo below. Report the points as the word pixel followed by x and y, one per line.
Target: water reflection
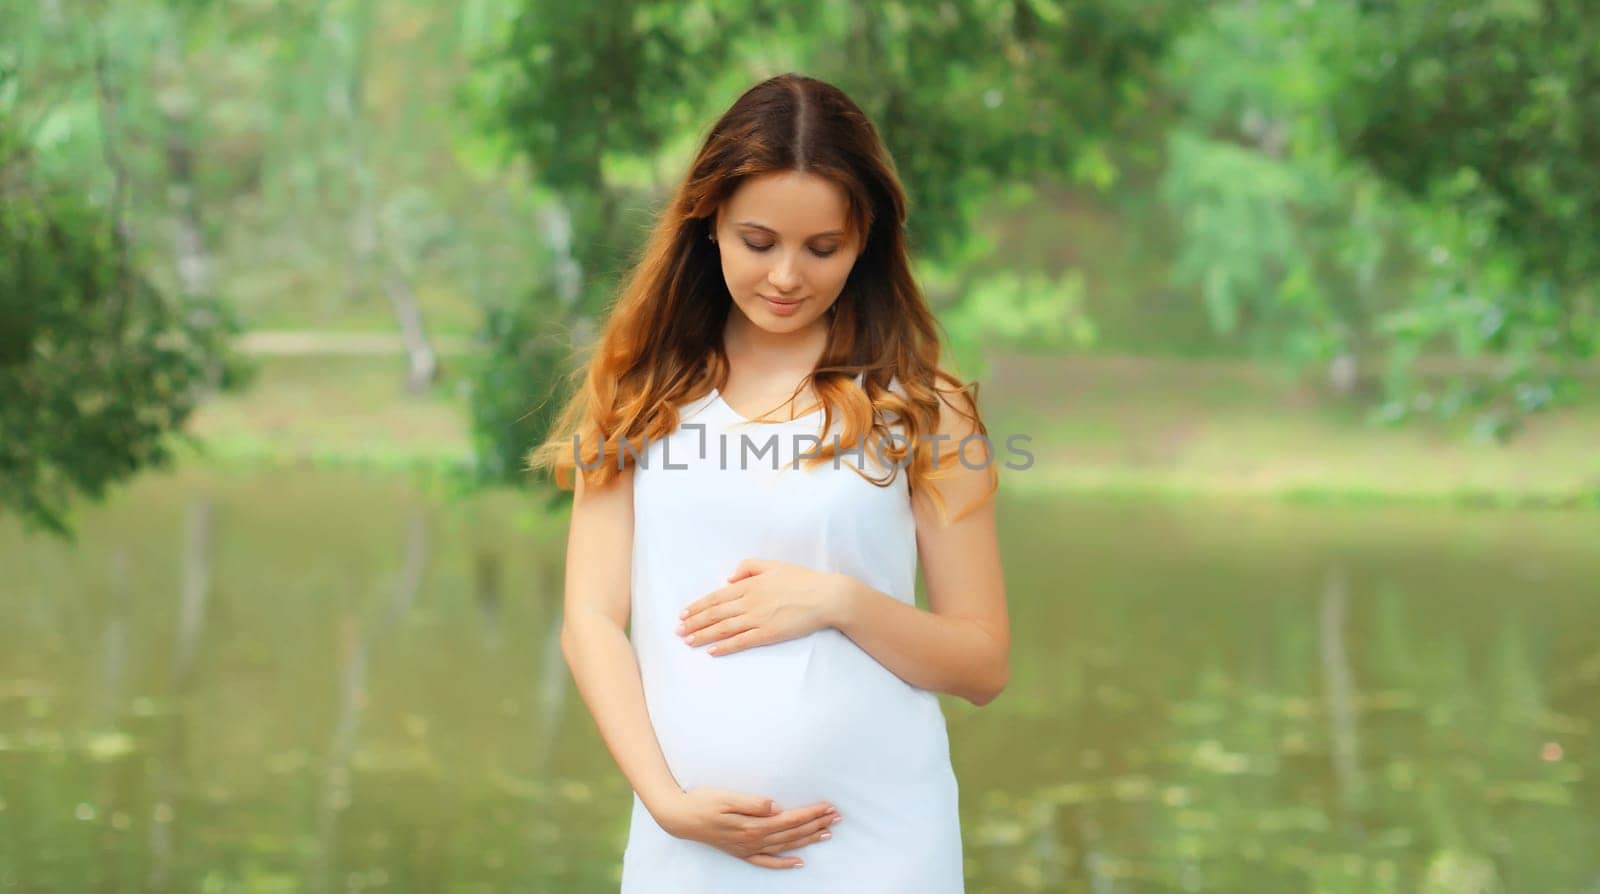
pixel 170 770
pixel 296 680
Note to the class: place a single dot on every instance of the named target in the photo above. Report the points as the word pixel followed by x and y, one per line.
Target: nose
pixel 783 276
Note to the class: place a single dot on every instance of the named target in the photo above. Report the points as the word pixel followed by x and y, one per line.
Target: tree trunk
pixel 372 249
pixel 190 255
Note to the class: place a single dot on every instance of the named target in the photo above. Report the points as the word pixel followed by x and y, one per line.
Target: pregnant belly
pixel 795 721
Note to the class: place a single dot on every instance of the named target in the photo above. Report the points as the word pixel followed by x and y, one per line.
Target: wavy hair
pixel 661 344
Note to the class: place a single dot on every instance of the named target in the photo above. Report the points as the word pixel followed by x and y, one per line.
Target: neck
pixel 747 344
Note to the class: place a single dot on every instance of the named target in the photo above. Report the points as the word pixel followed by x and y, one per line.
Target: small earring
pixel 712 236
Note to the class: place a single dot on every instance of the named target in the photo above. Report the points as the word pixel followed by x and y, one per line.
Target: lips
pixel 783 301
pixel 782 308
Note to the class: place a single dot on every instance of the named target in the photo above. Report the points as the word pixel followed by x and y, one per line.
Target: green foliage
pixel 1489 116
pixel 1499 104
pixel 1025 312
pixel 1394 181
pixel 505 421
pixel 1282 240
pixel 97 367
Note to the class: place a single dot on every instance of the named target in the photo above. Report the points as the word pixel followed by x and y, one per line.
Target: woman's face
pixel 785 255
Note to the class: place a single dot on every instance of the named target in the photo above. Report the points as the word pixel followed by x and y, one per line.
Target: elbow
pixel 566 643
pixel 995 685
pixel 574 639
pixel 580 630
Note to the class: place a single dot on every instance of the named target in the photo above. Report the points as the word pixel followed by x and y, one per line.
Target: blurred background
pixel 1296 301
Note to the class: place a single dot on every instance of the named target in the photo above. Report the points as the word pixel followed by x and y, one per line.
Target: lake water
pixel 288 680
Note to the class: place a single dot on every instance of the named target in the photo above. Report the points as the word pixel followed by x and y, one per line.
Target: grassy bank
pixel 1144 424
pixel 1138 425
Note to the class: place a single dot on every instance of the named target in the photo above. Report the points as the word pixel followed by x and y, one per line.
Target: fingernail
pixel 825 835
pixel 799 863
pixel 837 819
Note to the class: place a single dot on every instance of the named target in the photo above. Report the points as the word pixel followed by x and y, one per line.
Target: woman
pixel 775 709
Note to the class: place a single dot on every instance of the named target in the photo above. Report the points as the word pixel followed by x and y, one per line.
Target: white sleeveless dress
pixel 806 720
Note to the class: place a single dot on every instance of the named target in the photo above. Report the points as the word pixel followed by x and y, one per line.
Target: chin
pixel 763 318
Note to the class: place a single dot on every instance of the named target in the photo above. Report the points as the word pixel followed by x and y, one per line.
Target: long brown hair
pixel 661 345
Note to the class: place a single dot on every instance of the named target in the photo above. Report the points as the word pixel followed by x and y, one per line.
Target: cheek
pixel 831 277
pixel 740 272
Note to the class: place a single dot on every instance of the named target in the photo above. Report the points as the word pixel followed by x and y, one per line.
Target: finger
pixel 721 631
pixel 706 601
pixel 790 820
pixel 770 862
pixel 747 639
pixel 708 616
pixel 751 805
pixel 792 838
pixel 804 841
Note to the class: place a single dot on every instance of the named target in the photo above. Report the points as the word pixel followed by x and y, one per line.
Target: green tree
pixel 1491 114
pixel 1367 184
pixel 97 366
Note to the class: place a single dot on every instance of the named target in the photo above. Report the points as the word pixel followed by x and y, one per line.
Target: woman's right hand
pixel 746 826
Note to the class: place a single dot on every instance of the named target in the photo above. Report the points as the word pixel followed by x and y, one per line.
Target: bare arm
pixel 594 636
pixel 963 644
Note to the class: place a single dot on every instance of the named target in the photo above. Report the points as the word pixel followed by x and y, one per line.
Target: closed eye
pixel 821 253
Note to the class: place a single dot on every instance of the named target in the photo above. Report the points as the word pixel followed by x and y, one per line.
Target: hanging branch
pixel 121 231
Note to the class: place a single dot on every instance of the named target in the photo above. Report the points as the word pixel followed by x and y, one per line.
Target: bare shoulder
pixel 963 471
pixel 958 406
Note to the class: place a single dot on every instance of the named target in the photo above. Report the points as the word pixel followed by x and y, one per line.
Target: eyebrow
pixel 754 225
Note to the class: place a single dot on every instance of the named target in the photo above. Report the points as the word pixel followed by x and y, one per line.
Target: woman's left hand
pixel 765 602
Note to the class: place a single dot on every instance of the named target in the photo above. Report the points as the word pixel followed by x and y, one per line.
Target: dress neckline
pixel 716 395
